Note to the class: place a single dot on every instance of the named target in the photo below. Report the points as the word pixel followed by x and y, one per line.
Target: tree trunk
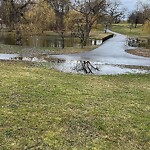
pixel 18 37
pixel 62 39
pixel 81 42
pixel 63 42
pixel 59 21
pixel 86 36
pixel 136 22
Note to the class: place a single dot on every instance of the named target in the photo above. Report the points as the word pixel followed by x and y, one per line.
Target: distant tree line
pixel 77 17
pixel 141 15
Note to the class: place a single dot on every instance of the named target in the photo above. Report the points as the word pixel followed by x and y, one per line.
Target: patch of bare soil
pixel 135 67
pixel 139 51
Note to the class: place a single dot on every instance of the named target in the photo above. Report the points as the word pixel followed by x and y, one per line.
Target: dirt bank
pixel 139 51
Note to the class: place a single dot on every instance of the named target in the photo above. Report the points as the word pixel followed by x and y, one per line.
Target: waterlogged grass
pixel 13 49
pixel 46 109
pixel 125 29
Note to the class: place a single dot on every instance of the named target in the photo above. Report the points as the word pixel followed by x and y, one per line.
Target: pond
pixel 44 40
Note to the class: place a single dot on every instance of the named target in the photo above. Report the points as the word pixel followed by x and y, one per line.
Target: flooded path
pixel 110 58
pixel 8 56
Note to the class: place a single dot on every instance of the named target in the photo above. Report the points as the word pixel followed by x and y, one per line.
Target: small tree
pixel 146 26
pixel 15 10
pixel 61 8
pixel 135 18
pixel 90 11
pixel 141 13
pixel 74 22
pixel 39 17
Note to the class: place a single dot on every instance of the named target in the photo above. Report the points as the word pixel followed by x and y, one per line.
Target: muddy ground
pixel 139 51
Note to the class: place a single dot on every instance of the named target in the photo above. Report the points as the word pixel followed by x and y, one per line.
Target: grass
pixel 46 109
pixel 13 49
pixel 98 35
pixel 138 32
pixel 125 29
pixel 98 32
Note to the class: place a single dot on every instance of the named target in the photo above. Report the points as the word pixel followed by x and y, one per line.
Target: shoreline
pixel 139 52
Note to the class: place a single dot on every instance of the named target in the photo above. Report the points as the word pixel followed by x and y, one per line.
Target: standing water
pixel 44 40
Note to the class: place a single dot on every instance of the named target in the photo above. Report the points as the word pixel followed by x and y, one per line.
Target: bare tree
pixel 141 14
pixel 135 18
pixel 61 8
pixel 90 11
pixel 15 11
pixel 115 12
pixel 145 10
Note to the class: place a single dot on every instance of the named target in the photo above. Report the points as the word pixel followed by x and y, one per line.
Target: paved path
pixel 110 52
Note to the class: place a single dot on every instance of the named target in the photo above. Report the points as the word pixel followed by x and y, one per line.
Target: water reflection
pixel 75 66
pixel 86 67
pixel 97 68
pixel 8 56
pixel 44 40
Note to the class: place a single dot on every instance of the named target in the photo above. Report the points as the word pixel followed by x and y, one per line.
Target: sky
pixel 131 5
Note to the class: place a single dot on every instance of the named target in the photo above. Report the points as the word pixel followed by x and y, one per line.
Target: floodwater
pixel 108 59
pixel 8 56
pixel 98 68
pixel 21 57
pixel 76 67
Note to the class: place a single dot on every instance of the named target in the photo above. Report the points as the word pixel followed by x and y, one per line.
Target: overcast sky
pixel 131 5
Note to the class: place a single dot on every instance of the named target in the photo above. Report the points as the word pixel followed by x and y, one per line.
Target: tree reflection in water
pixel 86 67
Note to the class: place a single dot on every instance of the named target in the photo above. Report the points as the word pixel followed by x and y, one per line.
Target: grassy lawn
pixel 98 33
pixel 45 109
pixel 124 29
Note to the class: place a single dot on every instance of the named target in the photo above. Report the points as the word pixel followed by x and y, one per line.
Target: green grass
pixel 45 109
pixel 124 29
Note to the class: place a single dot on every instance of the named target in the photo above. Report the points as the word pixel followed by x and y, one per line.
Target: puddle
pixel 32 59
pixel 8 56
pixel 97 68
pixel 23 58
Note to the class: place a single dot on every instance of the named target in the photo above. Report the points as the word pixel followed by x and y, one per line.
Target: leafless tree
pixel 61 8
pixel 16 10
pixel 115 12
pixel 90 11
pixel 141 14
pixel 145 10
